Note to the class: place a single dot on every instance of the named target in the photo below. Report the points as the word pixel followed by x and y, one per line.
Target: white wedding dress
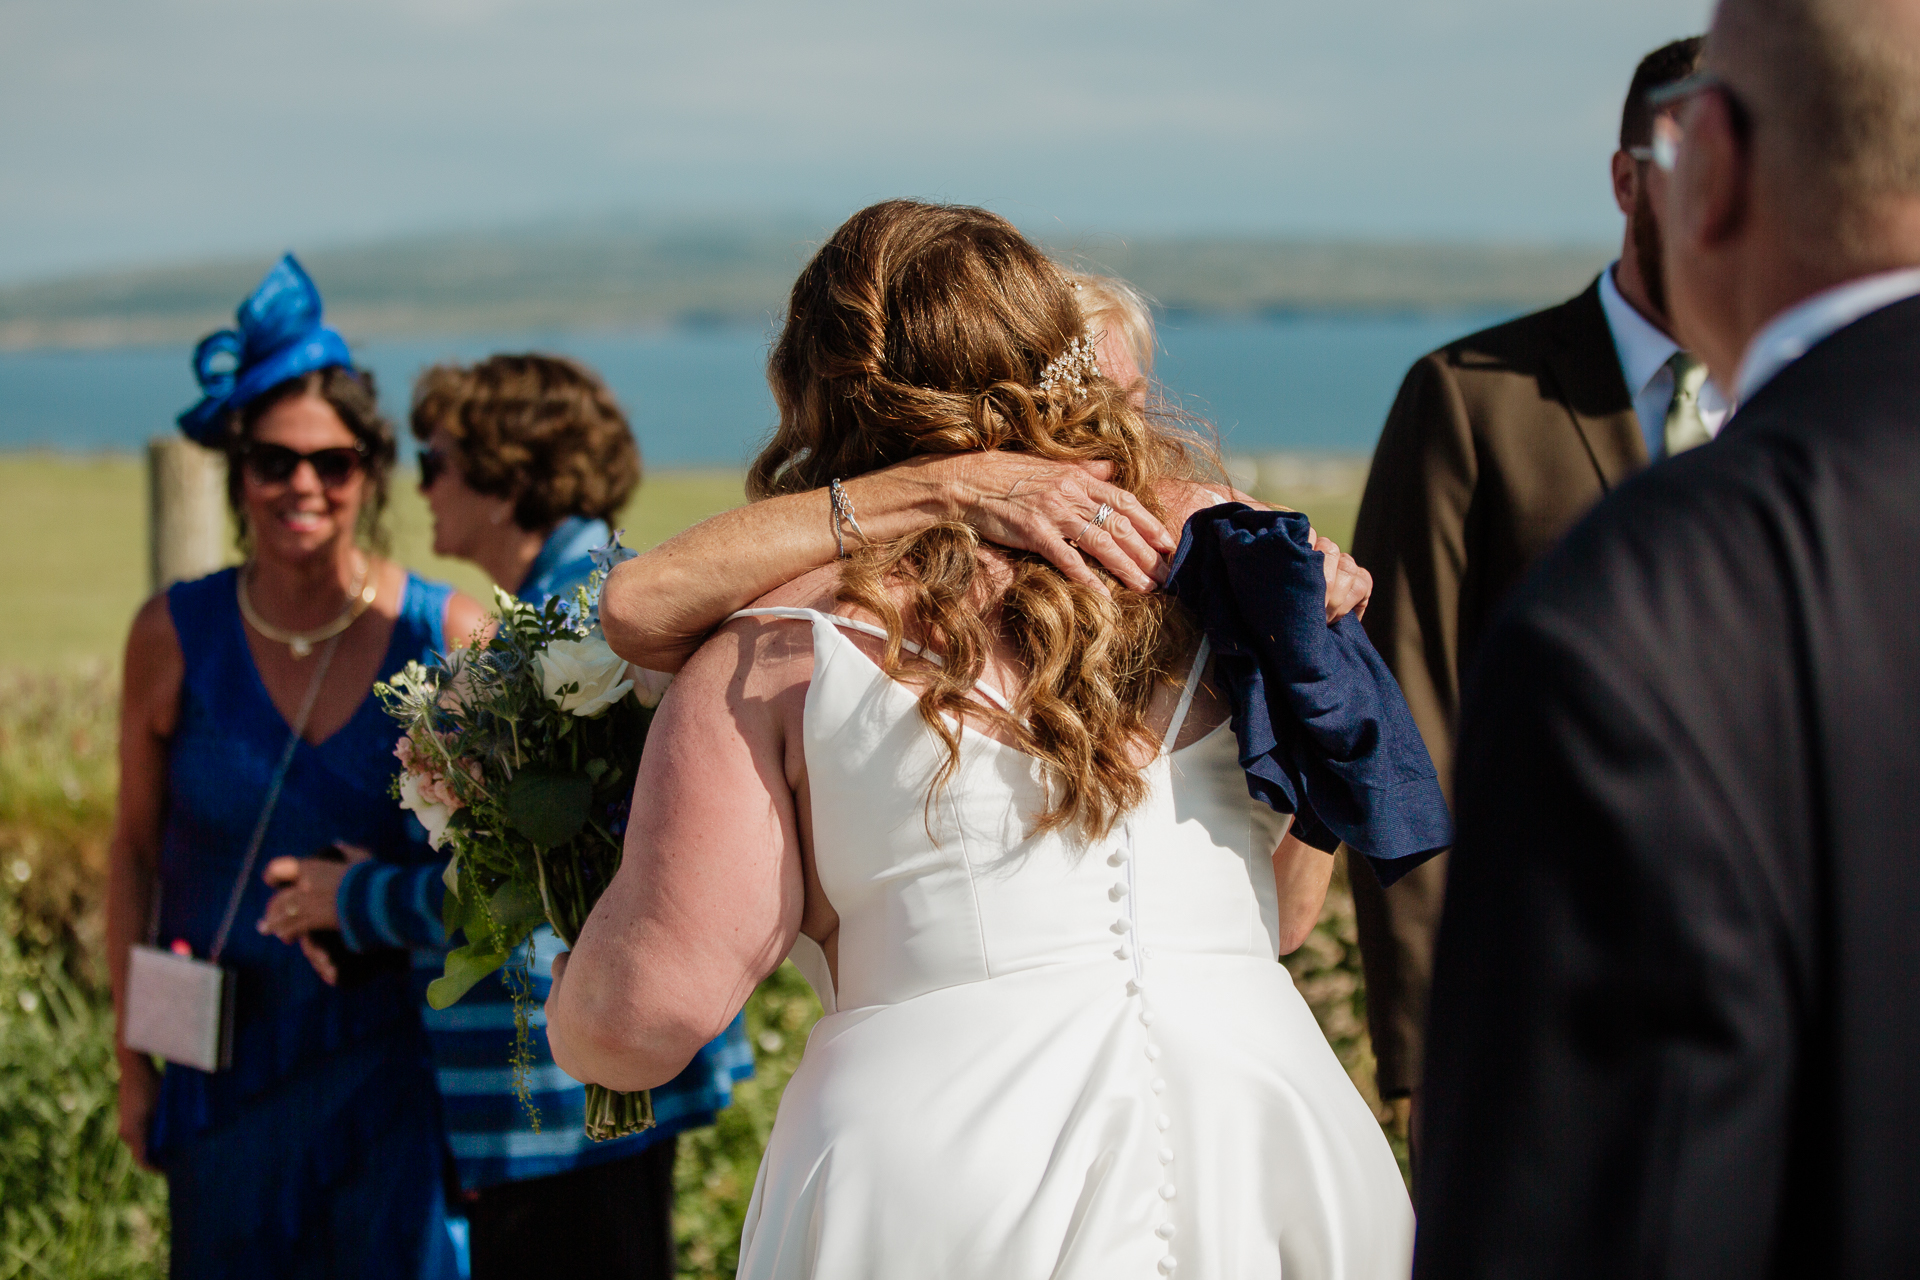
pixel 1045 1058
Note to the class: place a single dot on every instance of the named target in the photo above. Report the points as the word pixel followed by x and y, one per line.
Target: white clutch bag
pixel 180 1009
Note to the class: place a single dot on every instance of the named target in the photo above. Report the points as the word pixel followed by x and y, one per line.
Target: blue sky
pixel 136 131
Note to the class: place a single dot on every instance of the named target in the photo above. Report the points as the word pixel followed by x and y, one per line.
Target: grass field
pixel 74 532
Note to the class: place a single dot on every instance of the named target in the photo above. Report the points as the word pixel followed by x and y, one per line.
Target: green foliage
pixel 715 1172
pixel 1326 970
pixel 57 775
pixel 72 1202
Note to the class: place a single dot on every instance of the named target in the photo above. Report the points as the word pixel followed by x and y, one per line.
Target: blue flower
pixel 604 558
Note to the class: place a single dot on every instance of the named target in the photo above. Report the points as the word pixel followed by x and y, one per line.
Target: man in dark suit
pixel 1497 444
pixel 1676 1010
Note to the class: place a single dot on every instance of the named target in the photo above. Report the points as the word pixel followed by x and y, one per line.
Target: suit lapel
pixel 1586 372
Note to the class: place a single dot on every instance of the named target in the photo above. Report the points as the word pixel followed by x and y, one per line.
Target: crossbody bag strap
pixel 273 798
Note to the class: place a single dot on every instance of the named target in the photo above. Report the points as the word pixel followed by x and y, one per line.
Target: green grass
pixel 72 1203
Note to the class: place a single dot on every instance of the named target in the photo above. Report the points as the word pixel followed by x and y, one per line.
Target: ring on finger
pixel 1097 521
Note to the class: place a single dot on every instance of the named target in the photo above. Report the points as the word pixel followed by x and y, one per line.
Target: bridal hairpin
pixel 1073 368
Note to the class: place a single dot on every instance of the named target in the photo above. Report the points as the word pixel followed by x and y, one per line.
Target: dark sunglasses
pixel 275 463
pixel 433 464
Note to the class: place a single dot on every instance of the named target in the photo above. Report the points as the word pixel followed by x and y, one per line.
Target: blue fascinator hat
pixel 279 336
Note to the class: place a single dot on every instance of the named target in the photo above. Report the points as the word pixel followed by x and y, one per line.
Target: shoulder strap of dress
pixel 992 694
pixel 1199 667
pixel 206 622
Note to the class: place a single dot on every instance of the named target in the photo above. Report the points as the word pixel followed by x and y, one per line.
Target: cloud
pixel 142 130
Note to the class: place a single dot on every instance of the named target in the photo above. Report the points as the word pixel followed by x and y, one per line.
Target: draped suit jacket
pixel 1676 1013
pixel 1497 444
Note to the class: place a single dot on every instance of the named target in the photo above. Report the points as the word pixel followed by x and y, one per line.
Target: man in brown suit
pixel 1496 445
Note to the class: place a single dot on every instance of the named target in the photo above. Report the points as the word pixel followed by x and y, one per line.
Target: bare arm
pixel 659 607
pixel 149 709
pixel 1301 874
pixel 709 895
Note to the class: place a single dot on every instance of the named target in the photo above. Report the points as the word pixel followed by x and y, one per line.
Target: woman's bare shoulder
pixel 765 656
pixel 466 620
pixel 815 589
pixel 154 666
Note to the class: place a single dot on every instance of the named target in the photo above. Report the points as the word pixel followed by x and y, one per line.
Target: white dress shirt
pixel 1797 330
pixel 1644 352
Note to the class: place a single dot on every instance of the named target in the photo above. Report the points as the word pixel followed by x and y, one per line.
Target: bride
pixel 992 814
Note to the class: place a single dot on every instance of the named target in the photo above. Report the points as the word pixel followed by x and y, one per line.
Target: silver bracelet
pixel 842 517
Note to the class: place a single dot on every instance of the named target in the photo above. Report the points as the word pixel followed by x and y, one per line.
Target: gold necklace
pixel 301 643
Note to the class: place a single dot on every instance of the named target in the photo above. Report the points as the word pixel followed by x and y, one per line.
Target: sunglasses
pixel 275 463
pixel 433 465
pixel 1667 132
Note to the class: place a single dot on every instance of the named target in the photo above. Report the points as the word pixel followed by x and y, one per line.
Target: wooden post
pixel 186 510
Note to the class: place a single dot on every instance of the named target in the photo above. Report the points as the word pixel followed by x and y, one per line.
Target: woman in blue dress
pixel 319 1151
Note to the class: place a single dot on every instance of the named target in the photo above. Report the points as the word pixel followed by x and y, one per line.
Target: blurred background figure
pixel 526 459
pixel 318 1152
pixel 1676 1022
pixel 1495 447
pixel 1120 319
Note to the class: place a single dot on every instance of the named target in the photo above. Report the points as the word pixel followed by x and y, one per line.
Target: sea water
pixel 1307 383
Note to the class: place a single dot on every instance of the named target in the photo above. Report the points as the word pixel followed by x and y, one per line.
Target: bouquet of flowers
pixel 519 755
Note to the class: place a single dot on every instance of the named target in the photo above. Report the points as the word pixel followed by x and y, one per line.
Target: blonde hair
pixel 1110 304
pixel 921 328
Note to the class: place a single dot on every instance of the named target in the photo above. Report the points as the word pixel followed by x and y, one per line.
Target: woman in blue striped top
pixel 525 458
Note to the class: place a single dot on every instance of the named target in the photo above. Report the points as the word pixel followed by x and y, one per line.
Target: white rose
pixel 597 675
pixel 650 686
pixel 434 817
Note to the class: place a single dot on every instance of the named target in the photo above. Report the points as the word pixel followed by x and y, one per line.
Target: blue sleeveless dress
pixel 320 1152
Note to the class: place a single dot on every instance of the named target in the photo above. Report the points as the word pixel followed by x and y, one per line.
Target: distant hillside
pixel 610 274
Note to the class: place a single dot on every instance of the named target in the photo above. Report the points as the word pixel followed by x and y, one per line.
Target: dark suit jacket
pixel 1676 1014
pixel 1495 447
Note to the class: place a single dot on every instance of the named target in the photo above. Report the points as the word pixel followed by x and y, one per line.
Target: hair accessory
pixel 842 517
pixel 1073 368
pixel 278 336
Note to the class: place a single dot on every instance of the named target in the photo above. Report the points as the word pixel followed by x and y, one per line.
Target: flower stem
pixel 615 1115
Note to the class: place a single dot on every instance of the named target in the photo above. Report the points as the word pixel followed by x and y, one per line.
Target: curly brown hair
pixel 353 395
pixel 541 430
pixel 921 328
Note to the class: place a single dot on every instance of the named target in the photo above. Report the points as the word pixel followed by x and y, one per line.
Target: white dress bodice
pixel 1056 992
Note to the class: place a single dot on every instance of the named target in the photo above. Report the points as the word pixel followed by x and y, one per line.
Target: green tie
pixel 1686 429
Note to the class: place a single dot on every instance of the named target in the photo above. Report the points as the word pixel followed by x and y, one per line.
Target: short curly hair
pixel 543 431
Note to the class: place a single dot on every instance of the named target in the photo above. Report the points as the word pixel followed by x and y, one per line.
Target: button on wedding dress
pixel 1047 1057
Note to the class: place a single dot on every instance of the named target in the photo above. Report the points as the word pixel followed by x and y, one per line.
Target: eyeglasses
pixel 275 463
pixel 433 464
pixel 1665 103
